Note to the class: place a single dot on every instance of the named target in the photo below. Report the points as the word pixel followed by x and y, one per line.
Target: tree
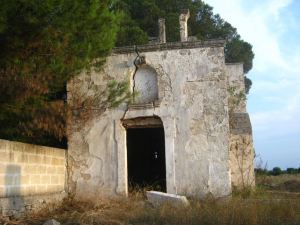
pixel 43 44
pixel 291 171
pixel 203 24
pixel 276 171
pixel 260 171
pixel 237 49
pixel 130 33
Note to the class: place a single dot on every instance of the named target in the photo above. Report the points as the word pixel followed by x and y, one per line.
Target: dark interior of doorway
pixel 146 159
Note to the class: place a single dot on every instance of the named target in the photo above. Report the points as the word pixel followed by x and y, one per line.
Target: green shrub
pixel 276 171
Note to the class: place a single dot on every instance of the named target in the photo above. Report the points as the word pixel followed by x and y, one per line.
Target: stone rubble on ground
pixel 159 198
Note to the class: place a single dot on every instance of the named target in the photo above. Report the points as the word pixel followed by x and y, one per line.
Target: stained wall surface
pixel 192 104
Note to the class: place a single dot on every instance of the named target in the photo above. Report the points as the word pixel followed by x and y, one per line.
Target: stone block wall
pixel 241 150
pixel 29 170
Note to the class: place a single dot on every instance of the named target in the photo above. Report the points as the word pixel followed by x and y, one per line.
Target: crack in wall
pixel 135 71
pixel 133 78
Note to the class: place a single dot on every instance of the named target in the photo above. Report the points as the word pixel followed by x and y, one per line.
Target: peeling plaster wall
pixel 241 151
pixel 193 106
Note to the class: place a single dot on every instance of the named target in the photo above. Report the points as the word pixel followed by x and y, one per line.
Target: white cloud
pixel 274 100
pixel 283 96
pixel 275 6
pixel 256 25
pixel 278 85
pixel 278 123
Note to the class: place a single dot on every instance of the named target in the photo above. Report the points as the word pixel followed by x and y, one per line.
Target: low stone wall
pixel 29 170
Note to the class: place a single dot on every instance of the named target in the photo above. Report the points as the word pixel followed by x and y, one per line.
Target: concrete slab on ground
pixel 160 198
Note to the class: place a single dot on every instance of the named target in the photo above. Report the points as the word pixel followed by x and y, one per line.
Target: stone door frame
pixel 169 127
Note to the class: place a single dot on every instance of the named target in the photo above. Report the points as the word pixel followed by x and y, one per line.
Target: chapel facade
pixel 185 131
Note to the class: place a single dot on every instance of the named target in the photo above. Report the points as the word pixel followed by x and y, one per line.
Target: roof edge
pixel 170 46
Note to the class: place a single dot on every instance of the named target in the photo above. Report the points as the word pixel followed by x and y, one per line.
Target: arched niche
pixel 146 87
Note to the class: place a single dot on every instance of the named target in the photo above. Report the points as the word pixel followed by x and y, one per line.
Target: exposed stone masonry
pixel 29 170
pixel 241 150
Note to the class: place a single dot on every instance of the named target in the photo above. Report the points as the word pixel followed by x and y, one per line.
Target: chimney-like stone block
pixel 162 31
pixel 183 19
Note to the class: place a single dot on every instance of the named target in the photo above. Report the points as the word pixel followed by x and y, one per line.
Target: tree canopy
pixel 44 43
pixel 141 21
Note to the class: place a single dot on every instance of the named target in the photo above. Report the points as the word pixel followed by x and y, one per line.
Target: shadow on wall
pixel 15 203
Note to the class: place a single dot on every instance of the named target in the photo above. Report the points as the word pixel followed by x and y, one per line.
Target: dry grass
pixel 284 182
pixel 136 211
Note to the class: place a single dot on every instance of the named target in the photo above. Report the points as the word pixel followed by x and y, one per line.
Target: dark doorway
pixel 146 158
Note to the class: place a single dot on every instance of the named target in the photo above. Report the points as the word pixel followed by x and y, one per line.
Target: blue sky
pixel 273 28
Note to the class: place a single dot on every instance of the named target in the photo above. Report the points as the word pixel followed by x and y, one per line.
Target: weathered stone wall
pixel 29 170
pixel 241 151
pixel 192 104
pixel 236 84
